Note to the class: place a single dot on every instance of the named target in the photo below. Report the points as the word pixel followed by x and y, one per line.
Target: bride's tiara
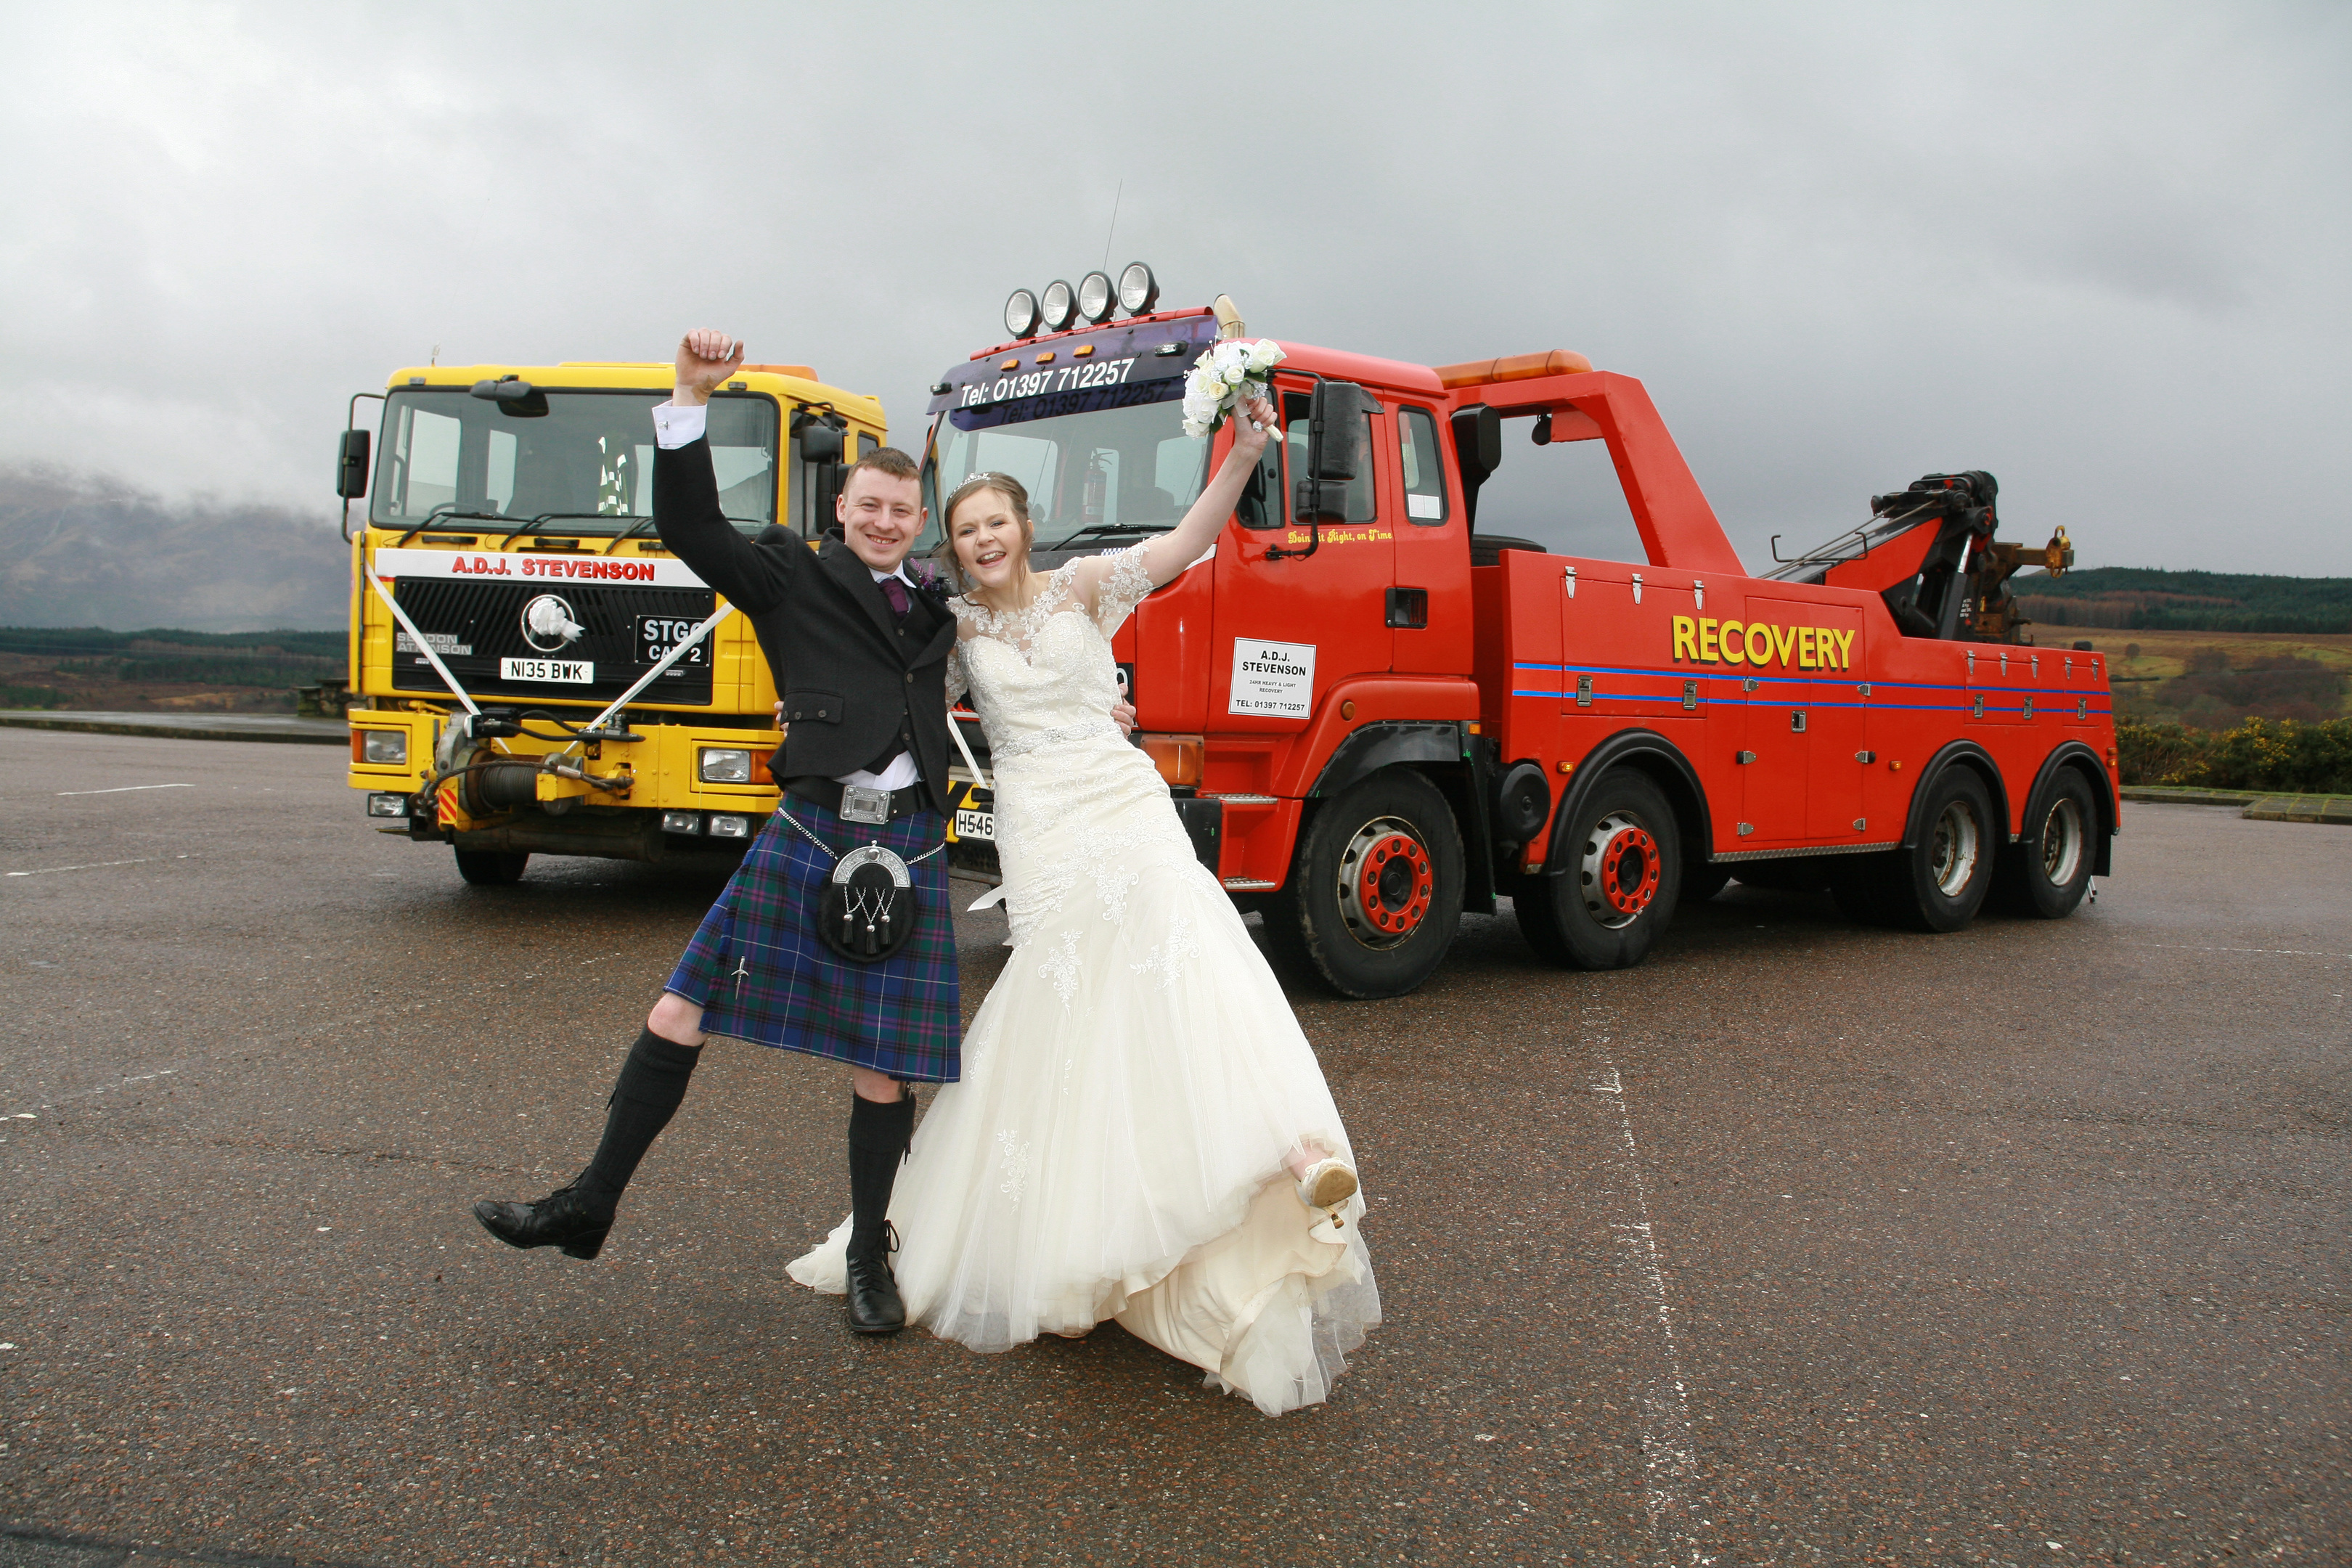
pixel 973 478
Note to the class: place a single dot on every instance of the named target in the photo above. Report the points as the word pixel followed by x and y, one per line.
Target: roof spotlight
pixel 1021 314
pixel 1060 304
pixel 1139 291
pixel 1094 297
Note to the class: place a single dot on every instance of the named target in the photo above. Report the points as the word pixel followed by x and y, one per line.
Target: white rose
pixel 1262 354
pixel 1195 429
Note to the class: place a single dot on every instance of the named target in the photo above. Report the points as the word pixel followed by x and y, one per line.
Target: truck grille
pixel 476 625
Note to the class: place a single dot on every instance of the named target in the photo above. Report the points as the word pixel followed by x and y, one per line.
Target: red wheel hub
pixel 1629 870
pixel 1395 884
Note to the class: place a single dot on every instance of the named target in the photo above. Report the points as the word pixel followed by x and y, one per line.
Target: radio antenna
pixel 1114 222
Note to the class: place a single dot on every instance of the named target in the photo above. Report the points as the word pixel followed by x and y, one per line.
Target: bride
pixel 1141 1132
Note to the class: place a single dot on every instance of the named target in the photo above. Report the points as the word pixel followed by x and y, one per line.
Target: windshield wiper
pixel 628 533
pixel 1113 527
pixel 446 509
pixel 531 523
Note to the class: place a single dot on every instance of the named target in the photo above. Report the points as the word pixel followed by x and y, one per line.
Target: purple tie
pixel 896 592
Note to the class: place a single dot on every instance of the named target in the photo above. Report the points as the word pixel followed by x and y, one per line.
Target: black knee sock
pixel 652 1083
pixel 878 1135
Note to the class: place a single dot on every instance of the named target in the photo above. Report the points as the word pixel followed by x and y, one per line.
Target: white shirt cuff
pixel 676 425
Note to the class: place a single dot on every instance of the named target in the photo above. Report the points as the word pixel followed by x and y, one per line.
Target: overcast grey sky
pixel 2100 250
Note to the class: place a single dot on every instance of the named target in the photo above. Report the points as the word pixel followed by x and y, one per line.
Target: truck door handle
pixel 1796 721
pixel 1408 608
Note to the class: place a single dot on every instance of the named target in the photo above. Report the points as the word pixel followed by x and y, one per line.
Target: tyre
pixel 1375 891
pixel 1622 887
pixel 490 867
pixel 2046 872
pixel 1938 881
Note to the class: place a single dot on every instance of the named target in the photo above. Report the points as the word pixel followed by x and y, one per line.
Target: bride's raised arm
pixel 1171 552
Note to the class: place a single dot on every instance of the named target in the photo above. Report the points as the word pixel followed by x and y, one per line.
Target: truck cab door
pixel 1289 627
pixel 1431 613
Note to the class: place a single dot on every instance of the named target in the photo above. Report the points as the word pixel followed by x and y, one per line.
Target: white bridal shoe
pixel 1327 1183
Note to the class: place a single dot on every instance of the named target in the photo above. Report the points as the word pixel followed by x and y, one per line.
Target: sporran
pixel 867 909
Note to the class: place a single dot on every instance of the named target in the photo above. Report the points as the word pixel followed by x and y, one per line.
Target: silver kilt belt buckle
pixel 859 803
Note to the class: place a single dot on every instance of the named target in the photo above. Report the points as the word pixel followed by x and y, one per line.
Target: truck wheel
pixel 490 867
pixel 1940 882
pixel 2045 873
pixel 1604 910
pixel 1375 891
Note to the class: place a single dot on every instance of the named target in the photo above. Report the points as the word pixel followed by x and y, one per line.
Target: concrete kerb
pixel 194 727
pixel 2258 805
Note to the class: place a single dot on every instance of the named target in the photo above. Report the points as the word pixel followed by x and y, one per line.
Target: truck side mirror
pixel 351 463
pixel 1478 449
pixel 1335 447
pixel 819 443
pixel 1478 439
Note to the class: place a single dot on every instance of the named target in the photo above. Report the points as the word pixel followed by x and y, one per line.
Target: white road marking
pixel 1670 1462
pixel 100 865
pixel 2281 952
pixel 124 789
pixel 86 1093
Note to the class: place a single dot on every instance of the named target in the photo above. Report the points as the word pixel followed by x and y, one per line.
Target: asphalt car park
pixel 1801 1243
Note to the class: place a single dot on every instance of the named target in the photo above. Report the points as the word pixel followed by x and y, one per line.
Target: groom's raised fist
pixel 705 359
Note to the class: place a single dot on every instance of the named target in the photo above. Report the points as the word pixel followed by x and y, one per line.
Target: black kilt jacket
pixel 858 685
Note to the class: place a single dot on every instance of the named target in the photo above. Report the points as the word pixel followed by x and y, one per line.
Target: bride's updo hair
pixel 1016 495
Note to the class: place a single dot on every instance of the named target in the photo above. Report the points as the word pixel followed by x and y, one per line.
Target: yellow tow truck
pixel 531 672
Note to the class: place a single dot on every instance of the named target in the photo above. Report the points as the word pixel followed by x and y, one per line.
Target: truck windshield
pixel 586 466
pixel 1104 476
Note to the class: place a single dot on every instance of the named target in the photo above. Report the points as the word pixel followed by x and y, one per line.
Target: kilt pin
pixel 760 973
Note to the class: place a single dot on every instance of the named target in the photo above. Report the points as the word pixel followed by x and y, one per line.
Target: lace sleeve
pixel 958 676
pixel 1121 588
pixel 958 681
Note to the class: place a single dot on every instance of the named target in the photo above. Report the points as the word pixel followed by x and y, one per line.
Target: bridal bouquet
pixel 1221 380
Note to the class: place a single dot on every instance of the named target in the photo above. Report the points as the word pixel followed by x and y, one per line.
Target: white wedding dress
pixel 1135 1079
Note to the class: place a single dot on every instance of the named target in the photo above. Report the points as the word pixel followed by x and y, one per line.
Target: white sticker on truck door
pixel 1273 679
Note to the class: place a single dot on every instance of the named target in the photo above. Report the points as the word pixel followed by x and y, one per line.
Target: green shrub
pixel 31 696
pixel 2260 753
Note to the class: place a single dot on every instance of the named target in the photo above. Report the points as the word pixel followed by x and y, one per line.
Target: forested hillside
pixel 2141 599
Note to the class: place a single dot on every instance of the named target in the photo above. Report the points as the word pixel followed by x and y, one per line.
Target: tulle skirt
pixel 1132 1087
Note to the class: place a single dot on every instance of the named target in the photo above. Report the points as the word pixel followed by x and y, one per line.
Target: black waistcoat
pixel 853 675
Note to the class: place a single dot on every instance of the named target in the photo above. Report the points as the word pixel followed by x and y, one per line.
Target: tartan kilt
pixel 760 973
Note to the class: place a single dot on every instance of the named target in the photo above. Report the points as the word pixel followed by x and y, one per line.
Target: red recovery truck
pixel 1376 715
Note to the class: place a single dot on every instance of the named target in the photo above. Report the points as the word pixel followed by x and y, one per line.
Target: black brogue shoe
pixel 563 1218
pixel 874 1304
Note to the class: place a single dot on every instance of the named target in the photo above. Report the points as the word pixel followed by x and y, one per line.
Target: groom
pixel 859 652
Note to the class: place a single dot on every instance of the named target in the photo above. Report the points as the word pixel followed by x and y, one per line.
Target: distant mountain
pixel 80 551
pixel 2140 599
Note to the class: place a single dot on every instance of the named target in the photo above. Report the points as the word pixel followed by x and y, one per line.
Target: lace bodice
pixel 1044 673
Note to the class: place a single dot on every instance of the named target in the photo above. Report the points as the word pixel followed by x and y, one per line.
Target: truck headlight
pixel 723 765
pixel 381 803
pixel 727 825
pixel 385 748
pixel 681 822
